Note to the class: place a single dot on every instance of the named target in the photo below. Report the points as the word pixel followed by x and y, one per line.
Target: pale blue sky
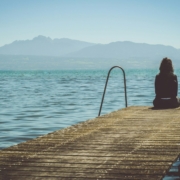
pixel 98 21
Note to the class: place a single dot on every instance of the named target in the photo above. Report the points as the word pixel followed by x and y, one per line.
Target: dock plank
pixel 132 143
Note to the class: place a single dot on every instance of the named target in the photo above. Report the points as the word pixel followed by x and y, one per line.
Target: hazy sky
pixel 98 21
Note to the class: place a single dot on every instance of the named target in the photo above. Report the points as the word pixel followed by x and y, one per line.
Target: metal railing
pixel 106 86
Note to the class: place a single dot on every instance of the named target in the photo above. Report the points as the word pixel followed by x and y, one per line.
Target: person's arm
pixel 156 85
pixel 176 85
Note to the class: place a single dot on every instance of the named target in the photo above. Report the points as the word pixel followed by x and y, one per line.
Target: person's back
pixel 166 86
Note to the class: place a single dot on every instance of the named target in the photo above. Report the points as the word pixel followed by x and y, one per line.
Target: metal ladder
pixel 106 86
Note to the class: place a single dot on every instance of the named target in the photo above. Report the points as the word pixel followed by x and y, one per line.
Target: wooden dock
pixel 132 143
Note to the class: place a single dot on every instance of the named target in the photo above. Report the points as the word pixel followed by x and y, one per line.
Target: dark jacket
pixel 166 85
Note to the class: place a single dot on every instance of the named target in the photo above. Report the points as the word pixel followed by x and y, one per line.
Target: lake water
pixel 33 103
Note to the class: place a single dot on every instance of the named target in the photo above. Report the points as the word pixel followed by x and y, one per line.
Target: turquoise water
pixel 33 103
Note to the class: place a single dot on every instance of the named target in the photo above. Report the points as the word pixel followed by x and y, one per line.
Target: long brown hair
pixel 166 66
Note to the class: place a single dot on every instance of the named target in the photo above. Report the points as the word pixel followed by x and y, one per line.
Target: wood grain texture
pixel 131 143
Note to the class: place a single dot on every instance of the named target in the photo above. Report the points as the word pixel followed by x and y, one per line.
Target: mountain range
pixel 64 50
pixel 43 46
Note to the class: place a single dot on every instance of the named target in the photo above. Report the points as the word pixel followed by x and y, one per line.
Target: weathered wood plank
pixel 132 143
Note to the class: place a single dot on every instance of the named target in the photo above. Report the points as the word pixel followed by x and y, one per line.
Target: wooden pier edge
pixel 137 142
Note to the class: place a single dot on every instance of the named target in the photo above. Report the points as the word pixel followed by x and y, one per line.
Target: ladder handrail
pixel 106 86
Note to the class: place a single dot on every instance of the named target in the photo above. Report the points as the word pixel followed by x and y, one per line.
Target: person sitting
pixel 166 86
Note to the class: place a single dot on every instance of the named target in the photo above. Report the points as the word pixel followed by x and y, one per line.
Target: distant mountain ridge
pixel 45 46
pixel 127 49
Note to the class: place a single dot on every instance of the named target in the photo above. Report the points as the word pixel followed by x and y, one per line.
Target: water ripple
pixel 33 103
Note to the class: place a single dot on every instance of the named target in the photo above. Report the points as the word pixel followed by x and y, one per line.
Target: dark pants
pixel 166 103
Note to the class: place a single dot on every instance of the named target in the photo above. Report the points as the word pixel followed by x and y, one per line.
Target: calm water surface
pixel 33 103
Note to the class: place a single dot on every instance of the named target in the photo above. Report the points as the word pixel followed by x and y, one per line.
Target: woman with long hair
pixel 166 86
